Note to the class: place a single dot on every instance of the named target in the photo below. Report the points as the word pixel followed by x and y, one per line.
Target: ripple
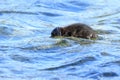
pixel 117 62
pixel 114 13
pixel 106 32
pixel 60 6
pixel 17 72
pixel 102 75
pixel 117 27
pixel 69 7
pixel 81 41
pixel 73 63
pixel 54 79
pixel 14 31
pixel 27 52
pixel 46 46
pixel 81 4
pixel 17 12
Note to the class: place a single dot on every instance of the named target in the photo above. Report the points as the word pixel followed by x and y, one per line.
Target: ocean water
pixel 27 52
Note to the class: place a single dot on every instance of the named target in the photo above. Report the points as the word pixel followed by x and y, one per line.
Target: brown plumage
pixel 76 30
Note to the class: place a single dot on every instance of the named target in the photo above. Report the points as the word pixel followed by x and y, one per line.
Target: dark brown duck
pixel 75 30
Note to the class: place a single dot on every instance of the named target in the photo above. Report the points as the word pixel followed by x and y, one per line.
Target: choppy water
pixel 28 53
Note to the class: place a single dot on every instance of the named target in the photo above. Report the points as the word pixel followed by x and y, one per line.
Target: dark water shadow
pixel 50 14
pixel 20 58
pixel 1 14
pixel 6 30
pixel 98 75
pixel 118 27
pixel 18 12
pixel 80 4
pixel 109 74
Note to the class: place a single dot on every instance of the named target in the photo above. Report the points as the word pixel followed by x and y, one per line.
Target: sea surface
pixel 27 52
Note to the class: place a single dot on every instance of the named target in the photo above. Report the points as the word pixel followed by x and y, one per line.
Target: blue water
pixel 28 53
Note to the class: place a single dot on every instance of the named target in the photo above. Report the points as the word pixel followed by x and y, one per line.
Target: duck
pixel 78 30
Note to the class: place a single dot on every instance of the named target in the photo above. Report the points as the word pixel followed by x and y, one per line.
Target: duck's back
pixel 80 30
pixel 77 26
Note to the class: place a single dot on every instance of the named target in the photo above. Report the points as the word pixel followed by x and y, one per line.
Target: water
pixel 28 53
